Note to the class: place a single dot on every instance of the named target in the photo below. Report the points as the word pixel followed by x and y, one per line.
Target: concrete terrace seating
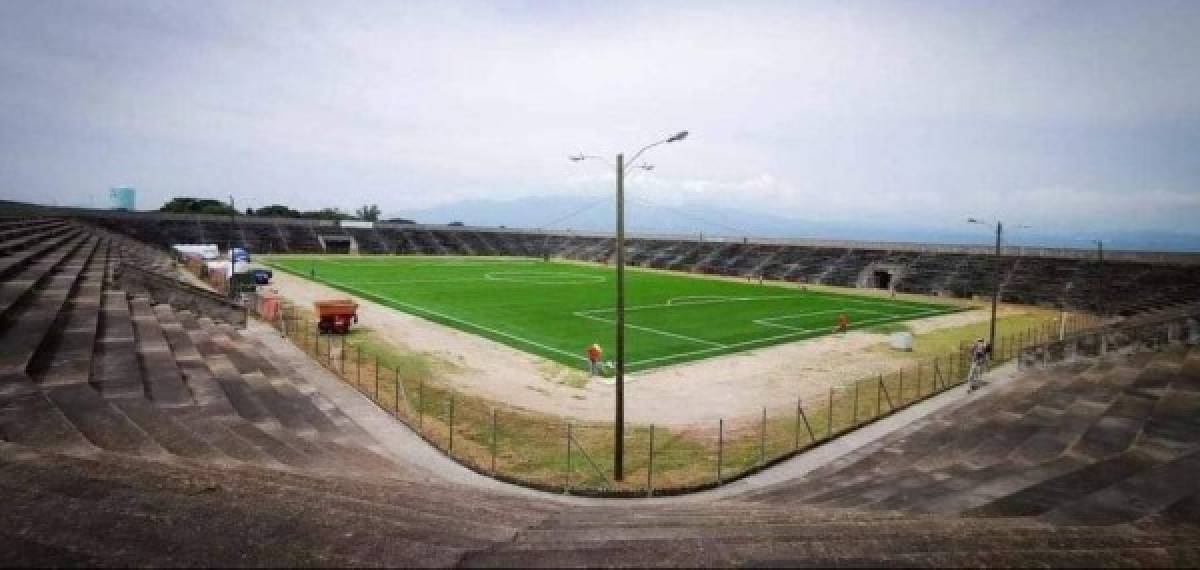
pixel 87 368
pixel 138 433
pixel 1057 445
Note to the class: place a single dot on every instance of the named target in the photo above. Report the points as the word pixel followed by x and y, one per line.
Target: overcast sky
pixel 1082 115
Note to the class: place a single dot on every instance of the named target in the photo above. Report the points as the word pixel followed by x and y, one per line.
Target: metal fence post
pixel 376 387
pixel 900 397
pixel 396 394
pixel 797 432
pixel 342 358
pixel 879 396
pixel 804 416
pixel 421 404
pixel 493 441
pixel 357 364
pixel 762 438
pixel 650 466
pixel 451 421
pixel 376 372
pixel 854 420
pixel 720 446
pixel 567 477
pixel 829 416
pixel 888 395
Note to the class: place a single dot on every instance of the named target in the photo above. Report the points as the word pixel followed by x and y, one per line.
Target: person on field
pixel 593 355
pixel 843 323
pixel 979 356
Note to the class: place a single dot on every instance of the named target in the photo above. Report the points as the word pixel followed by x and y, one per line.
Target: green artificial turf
pixel 556 309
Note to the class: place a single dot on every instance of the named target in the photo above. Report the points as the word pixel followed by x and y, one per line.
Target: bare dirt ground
pixel 694 393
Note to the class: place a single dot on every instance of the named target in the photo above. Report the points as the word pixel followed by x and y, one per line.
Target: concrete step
pixel 176 522
pixel 115 368
pixel 170 434
pixel 31 419
pixel 65 356
pixel 102 424
pixel 1142 494
pixel 163 379
pixel 26 326
pixel 1076 483
pixel 423 518
pixel 21 267
pixel 216 432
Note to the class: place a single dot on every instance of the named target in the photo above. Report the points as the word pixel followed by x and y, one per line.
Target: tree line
pixel 185 205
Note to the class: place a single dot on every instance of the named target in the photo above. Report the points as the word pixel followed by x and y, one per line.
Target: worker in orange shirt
pixel 593 355
pixel 843 323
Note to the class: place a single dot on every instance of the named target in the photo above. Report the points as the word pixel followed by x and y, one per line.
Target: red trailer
pixel 335 316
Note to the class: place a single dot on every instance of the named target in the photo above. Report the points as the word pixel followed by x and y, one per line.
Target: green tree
pixel 326 214
pixel 276 211
pixel 185 205
pixel 369 212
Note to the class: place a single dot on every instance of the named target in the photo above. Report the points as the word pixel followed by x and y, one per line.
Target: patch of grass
pixel 1034 323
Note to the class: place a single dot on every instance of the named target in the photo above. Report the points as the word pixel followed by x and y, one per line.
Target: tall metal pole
pixel 619 431
pixel 995 289
pixel 1100 262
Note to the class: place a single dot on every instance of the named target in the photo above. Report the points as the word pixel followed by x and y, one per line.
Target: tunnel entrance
pixel 883 279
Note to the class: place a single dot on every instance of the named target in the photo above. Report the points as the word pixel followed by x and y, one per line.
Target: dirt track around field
pixel 696 393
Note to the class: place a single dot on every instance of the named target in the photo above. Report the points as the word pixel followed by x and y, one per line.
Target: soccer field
pixel 556 309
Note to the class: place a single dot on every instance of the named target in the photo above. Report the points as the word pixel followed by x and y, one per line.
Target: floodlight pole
pixel 619 431
pixel 1100 263
pixel 995 289
pixel 619 373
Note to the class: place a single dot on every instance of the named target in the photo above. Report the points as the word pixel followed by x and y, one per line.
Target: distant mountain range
pixel 589 213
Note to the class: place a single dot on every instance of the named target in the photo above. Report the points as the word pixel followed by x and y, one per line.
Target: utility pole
pixel 619 431
pixel 1100 270
pixel 619 373
pixel 995 289
pixel 229 247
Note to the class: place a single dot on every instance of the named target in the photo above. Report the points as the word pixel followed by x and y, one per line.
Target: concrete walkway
pixel 408 449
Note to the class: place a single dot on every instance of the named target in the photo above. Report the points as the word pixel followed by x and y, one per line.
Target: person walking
pixel 593 355
pixel 979 356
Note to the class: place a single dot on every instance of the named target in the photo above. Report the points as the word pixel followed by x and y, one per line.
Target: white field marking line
pixel 403 281
pixel 823 312
pixel 385 301
pixel 654 331
pixel 768 321
pixel 771 338
pixel 668 304
pixel 882 303
pixel 700 299
pixel 535 278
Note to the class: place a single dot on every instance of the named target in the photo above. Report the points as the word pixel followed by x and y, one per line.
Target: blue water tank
pixel 122 198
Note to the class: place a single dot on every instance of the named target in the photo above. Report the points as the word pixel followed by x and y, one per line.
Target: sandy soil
pixel 694 393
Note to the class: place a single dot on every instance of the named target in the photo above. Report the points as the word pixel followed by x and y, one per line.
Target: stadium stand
pixel 134 432
pixel 1055 278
